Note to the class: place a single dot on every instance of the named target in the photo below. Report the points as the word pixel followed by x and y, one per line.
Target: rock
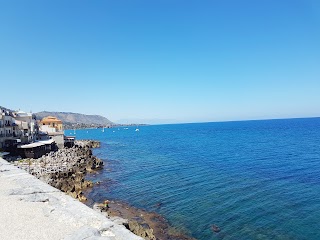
pixel 159 204
pixel 72 194
pixel 81 198
pixel 119 220
pixel 215 228
pixel 87 143
pixel 141 229
pixel 66 168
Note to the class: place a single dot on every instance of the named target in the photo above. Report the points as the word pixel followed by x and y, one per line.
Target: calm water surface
pixel 254 179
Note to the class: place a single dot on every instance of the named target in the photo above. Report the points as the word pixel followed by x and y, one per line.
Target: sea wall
pixel 31 209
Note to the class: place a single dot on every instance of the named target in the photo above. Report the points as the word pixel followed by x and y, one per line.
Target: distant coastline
pixel 87 126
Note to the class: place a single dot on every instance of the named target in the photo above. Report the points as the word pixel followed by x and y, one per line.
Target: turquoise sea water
pixel 254 179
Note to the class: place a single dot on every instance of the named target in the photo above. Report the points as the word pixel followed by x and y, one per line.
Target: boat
pixel 137 130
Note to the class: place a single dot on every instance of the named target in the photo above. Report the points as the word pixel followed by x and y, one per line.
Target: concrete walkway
pixel 31 209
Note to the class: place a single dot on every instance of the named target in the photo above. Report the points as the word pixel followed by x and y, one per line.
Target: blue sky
pixel 162 61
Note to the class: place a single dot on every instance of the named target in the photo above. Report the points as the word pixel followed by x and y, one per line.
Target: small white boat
pixel 137 130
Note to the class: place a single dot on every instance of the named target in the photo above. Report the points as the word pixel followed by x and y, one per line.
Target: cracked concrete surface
pixel 31 209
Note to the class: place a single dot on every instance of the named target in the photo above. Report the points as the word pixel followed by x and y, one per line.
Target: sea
pixel 252 179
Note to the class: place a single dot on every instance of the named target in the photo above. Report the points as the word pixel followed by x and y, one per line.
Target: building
pixel 52 122
pixel 69 141
pixel 21 133
pixel 16 128
pixel 36 149
pixel 2 130
pixel 58 137
pixel 9 131
pixel 28 126
pixel 53 127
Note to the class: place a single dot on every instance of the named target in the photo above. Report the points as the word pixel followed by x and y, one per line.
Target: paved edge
pixel 83 222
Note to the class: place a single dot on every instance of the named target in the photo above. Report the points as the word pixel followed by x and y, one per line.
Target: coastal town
pixel 39 168
pixel 22 134
pixel 36 150
pixel 41 148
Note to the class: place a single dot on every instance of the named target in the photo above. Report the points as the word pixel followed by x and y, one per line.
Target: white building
pixel 27 125
pixel 8 128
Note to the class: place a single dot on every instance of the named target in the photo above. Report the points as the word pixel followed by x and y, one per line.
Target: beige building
pixel 53 127
pixel 52 122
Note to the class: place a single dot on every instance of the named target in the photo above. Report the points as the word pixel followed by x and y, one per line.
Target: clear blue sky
pixel 169 60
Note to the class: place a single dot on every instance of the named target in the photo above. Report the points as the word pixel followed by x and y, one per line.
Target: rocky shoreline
pixel 66 168
pixel 148 225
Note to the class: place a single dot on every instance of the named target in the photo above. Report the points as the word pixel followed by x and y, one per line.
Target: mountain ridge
pixel 70 118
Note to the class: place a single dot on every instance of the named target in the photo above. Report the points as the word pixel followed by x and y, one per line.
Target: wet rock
pixel 142 230
pixel 159 204
pixel 148 225
pixel 215 228
pixel 88 143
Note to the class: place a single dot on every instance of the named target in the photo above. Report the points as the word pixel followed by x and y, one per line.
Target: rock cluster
pixel 88 143
pixel 140 228
pixel 148 225
pixel 66 168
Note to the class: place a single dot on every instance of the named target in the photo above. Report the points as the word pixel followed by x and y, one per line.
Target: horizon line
pixel 240 120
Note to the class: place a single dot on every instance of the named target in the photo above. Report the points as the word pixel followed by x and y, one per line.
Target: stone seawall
pixel 31 209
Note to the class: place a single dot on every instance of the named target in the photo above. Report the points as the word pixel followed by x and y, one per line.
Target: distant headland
pixel 80 121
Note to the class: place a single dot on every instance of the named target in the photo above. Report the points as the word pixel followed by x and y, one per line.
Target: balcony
pixel 1 135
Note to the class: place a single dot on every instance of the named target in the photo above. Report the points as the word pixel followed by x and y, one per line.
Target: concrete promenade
pixel 31 209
